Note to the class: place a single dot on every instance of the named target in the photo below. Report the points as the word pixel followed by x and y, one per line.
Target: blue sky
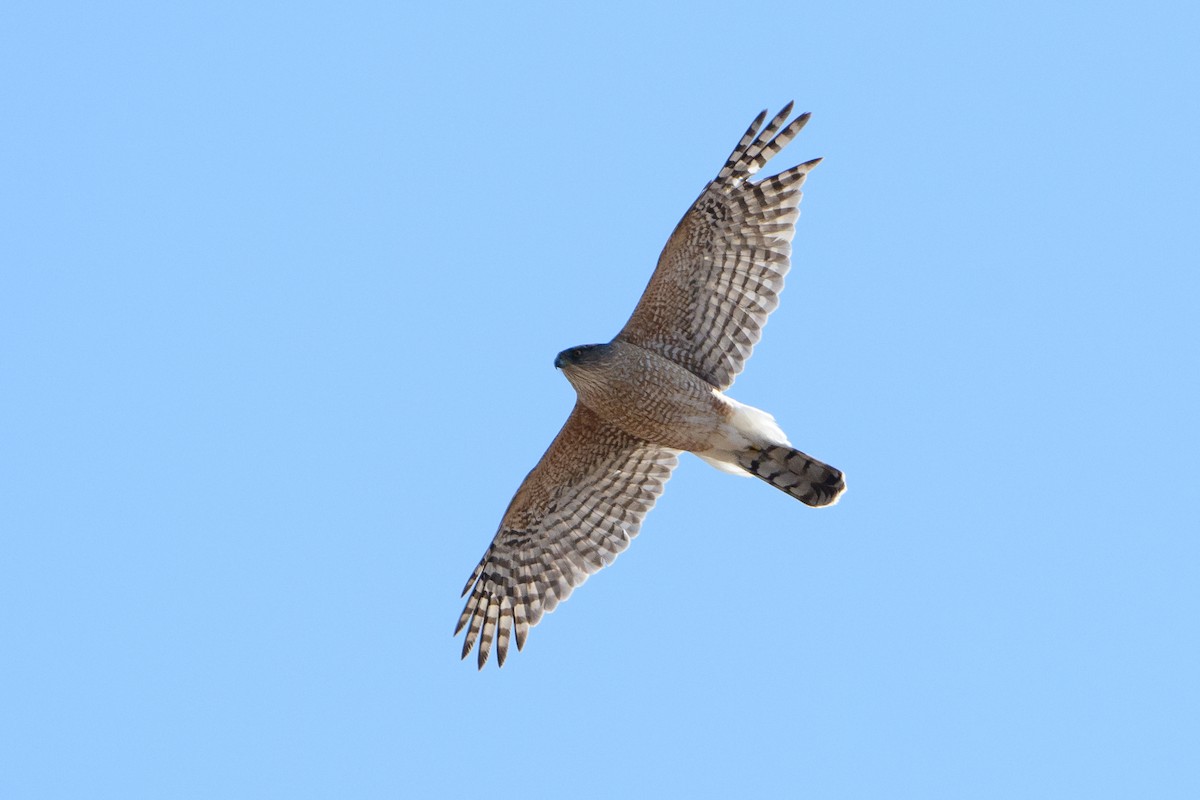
pixel 280 289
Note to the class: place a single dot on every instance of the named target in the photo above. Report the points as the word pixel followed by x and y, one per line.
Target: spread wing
pixel 721 273
pixel 575 512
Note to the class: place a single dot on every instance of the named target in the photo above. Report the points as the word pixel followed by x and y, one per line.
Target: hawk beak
pixel 558 361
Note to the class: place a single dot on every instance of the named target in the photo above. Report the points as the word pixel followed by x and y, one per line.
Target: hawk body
pixel 655 390
pixel 675 409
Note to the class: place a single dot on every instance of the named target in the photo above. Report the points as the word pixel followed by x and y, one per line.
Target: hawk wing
pixel 720 275
pixel 575 512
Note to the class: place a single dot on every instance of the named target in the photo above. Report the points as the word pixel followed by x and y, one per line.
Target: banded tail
pixel 803 477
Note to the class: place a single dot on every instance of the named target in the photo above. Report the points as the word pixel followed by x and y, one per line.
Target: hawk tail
pixel 802 476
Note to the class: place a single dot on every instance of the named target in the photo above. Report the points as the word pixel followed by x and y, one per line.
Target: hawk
pixel 655 390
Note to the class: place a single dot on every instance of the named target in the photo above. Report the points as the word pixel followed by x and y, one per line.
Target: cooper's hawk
pixel 654 390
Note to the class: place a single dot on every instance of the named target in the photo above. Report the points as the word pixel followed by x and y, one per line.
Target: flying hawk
pixel 653 391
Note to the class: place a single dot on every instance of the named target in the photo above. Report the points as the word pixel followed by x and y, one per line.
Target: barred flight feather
pixel 579 508
pixel 692 311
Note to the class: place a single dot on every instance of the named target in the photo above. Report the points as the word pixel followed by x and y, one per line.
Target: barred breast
pixel 649 397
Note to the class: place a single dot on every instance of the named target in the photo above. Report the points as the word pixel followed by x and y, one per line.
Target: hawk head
pixel 580 356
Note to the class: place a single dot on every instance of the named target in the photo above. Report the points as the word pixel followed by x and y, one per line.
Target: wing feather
pixel 721 272
pixel 576 511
